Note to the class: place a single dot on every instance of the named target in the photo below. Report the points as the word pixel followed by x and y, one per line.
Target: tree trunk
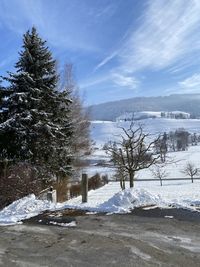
pixel 160 182
pixel 131 176
pixel 122 184
pixel 192 179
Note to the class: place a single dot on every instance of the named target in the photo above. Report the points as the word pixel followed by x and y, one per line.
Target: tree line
pixel 43 126
pixel 178 140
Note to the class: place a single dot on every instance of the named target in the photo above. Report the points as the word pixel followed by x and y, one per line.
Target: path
pixel 100 240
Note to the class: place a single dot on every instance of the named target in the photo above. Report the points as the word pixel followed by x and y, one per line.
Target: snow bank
pixel 24 208
pixel 111 199
pixel 124 201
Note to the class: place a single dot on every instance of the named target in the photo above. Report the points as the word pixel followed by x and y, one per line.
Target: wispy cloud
pixel 17 15
pixel 125 81
pixel 168 32
pixel 94 81
pixel 66 24
pixel 167 39
pixel 104 12
pixel 190 84
pixel 106 60
pixel 114 78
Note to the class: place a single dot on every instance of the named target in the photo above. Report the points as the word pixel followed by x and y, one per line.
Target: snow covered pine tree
pixel 36 126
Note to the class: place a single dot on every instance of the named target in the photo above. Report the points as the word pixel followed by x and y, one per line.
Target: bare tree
pixel 159 172
pixel 80 118
pixel 161 147
pixel 133 152
pixel 121 176
pixel 191 170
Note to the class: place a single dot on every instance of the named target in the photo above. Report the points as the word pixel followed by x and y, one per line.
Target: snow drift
pixel 24 208
pixel 124 201
pixel 110 199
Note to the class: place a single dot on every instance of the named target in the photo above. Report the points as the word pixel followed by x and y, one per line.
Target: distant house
pixel 175 115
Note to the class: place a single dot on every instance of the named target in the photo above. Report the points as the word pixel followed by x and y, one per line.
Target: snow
pixel 71 224
pixel 104 131
pixel 24 208
pixel 111 199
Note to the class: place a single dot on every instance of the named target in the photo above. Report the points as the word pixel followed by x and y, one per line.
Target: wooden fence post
pixel 51 195
pixel 84 188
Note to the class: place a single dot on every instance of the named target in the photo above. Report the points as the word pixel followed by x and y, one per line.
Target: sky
pixel 119 48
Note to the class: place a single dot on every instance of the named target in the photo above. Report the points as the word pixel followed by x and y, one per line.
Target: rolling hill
pixel 111 110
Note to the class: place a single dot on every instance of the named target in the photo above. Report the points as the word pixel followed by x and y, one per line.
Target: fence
pixel 87 184
pixel 63 193
pixel 168 179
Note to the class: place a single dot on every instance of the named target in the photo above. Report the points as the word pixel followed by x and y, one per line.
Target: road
pixel 103 240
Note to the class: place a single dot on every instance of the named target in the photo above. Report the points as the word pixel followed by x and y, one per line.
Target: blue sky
pixel 119 48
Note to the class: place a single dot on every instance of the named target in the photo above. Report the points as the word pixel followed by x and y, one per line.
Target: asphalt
pixel 146 239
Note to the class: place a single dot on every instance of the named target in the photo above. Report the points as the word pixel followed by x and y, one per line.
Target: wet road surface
pixel 105 240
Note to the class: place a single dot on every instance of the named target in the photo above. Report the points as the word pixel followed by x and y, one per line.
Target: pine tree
pixel 4 93
pixel 37 127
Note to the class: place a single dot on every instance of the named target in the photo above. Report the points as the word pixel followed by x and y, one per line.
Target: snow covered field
pixel 104 131
pixel 110 198
pixel 173 170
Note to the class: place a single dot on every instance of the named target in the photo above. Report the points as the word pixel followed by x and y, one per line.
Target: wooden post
pixel 51 195
pixel 84 188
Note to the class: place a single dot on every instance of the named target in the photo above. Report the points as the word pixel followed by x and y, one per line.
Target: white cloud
pixel 169 30
pixel 168 33
pixel 106 60
pixel 62 27
pixel 191 84
pixel 18 14
pixel 167 38
pixel 95 81
pixel 115 78
pixel 125 80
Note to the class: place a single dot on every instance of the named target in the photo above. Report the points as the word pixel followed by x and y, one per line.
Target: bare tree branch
pixel 132 152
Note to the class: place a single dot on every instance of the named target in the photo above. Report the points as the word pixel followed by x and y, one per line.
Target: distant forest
pixel 111 110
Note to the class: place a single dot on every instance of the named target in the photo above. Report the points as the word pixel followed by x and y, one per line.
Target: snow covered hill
pixel 111 110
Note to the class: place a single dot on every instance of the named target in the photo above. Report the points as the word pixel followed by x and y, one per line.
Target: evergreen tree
pixel 36 128
pixel 4 93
